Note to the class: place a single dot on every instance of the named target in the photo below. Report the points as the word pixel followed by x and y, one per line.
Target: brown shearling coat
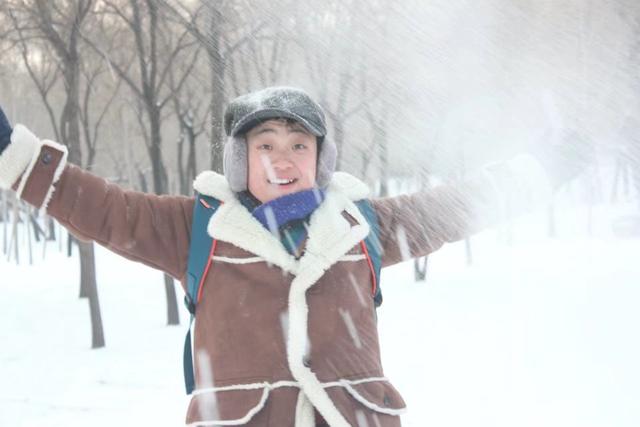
pixel 276 338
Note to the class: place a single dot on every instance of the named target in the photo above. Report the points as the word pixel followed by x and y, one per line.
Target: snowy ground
pixel 539 332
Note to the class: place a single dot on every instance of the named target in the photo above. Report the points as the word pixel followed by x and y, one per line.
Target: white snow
pixel 539 332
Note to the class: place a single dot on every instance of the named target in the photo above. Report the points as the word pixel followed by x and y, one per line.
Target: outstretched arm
pixel 417 224
pixel 154 230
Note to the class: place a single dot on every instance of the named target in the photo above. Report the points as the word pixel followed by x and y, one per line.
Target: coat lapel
pixel 233 223
pixel 330 234
pixel 330 237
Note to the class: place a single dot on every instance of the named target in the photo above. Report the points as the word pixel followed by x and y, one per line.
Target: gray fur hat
pixel 247 111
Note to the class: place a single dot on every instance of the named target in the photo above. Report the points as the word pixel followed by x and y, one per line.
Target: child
pixel 285 333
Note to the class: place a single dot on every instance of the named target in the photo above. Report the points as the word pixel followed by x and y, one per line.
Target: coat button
pixel 306 361
pixel 46 157
pixel 386 401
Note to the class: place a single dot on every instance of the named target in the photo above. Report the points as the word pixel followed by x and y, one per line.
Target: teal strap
pixel 187 362
pixel 199 251
pixel 374 246
pixel 200 244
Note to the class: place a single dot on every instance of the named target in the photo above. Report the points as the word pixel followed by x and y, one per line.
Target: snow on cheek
pixel 268 167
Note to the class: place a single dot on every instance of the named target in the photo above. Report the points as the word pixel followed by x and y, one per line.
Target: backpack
pixel 203 246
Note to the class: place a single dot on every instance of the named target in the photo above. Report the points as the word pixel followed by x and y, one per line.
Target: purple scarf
pixel 295 206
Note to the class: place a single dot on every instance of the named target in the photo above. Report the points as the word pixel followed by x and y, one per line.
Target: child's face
pixel 282 159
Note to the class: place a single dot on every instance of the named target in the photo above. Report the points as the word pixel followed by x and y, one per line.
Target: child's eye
pixel 264 147
pixel 300 147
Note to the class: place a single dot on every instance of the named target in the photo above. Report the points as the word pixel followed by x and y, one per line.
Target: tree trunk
pixel 616 179
pixel 5 221
pixel 88 282
pixel 192 167
pixel 173 317
pixel 37 230
pixel 469 253
pixel 217 74
pixel 338 139
pixel 551 220
pixel 27 224
pixel 160 187
pixel 420 268
pixel 157 163
pixel 14 233
pixel 384 159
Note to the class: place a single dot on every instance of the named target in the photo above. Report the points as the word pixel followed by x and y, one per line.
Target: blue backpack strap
pixel 373 245
pixel 200 250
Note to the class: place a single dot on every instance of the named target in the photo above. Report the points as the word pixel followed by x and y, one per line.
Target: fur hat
pixel 247 111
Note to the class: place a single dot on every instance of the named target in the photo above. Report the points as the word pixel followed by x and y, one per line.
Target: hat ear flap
pixel 235 163
pixel 327 156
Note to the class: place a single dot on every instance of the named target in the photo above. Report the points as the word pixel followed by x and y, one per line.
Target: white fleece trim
pixel 233 223
pixel 372 405
pixel 248 260
pixel 17 155
pixel 330 237
pixel 240 421
pixel 352 258
pixel 214 185
pixel 57 173
pixel 28 170
pixel 305 415
pixel 279 384
pixel 249 386
pixel 349 185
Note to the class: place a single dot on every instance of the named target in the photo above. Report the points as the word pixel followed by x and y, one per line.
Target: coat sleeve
pixel 147 228
pixel 417 224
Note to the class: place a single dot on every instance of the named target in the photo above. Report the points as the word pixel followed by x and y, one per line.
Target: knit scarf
pixel 295 206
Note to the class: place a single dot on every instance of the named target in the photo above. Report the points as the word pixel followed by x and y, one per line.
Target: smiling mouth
pixel 282 181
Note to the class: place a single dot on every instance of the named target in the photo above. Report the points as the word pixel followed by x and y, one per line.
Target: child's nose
pixel 281 159
pixel 281 163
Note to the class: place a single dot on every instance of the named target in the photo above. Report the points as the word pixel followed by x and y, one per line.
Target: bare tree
pixel 188 109
pixel 145 72
pixel 58 24
pixel 221 31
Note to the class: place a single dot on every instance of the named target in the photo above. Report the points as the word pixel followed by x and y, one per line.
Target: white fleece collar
pixel 330 235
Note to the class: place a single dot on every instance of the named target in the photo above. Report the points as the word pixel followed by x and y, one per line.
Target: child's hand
pixel 5 131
